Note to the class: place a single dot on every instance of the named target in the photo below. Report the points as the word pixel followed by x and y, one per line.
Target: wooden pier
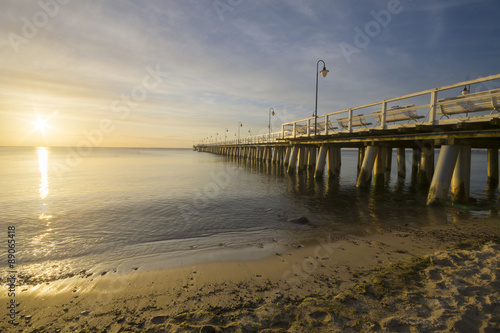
pixel 428 120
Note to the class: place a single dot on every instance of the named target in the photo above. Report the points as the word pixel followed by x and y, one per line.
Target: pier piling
pixel 460 182
pixel 320 166
pixel 441 180
pixel 401 163
pixel 492 168
pixel 365 174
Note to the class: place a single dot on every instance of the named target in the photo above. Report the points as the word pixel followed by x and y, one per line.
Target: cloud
pixel 262 55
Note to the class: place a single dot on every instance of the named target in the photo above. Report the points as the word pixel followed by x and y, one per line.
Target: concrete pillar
pixel 401 163
pixel 331 161
pixel 379 168
pixel 460 182
pixel 338 159
pixel 426 165
pixel 388 161
pixel 281 155
pixel 361 155
pixel 415 163
pixel 292 164
pixel 365 174
pixel 302 159
pixel 492 168
pixel 311 162
pixel 287 156
pixel 320 166
pixel 441 180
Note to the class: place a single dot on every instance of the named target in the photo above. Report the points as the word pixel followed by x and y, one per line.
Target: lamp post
pixel 240 124
pixel 323 72
pixel 216 134
pixel 271 112
pixel 225 135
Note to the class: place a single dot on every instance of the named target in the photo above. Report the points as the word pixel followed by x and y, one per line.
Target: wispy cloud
pixel 262 55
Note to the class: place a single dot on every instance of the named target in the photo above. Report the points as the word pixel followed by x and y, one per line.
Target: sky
pixel 155 73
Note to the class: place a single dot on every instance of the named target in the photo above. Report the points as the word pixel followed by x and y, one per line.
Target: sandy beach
pixel 409 279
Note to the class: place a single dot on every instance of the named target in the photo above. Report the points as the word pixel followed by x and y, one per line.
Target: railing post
pixel 326 124
pixel 433 106
pixel 308 128
pixel 350 121
pixel 384 113
pixel 294 130
pixel 283 131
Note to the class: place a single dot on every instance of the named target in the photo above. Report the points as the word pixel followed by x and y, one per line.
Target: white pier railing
pixel 389 113
pixel 424 107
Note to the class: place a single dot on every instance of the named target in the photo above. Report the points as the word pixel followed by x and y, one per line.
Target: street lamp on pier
pixel 271 112
pixel 225 135
pixel 240 124
pixel 323 72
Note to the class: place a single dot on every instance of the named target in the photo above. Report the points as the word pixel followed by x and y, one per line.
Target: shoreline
pixel 189 297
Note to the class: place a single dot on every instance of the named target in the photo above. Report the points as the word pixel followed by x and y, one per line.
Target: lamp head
pixel 465 91
pixel 324 71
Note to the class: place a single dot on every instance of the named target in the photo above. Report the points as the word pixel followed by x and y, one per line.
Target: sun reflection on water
pixel 43 166
pixel 43 245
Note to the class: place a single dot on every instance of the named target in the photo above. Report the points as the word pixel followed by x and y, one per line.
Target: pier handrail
pixel 331 121
pixel 433 113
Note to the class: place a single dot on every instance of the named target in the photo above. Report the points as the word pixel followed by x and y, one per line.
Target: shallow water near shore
pixel 123 208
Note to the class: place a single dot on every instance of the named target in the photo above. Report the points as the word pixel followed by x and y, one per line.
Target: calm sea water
pixel 123 207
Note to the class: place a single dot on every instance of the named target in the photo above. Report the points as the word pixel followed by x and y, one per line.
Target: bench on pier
pixel 321 126
pixel 358 120
pixel 481 101
pixel 398 113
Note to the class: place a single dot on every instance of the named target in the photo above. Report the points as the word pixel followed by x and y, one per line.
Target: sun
pixel 40 124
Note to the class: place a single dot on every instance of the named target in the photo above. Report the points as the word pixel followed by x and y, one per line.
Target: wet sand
pixel 409 279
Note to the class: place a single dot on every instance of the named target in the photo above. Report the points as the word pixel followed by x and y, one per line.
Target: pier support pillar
pixel 365 174
pixel 361 155
pixel 338 159
pixel 460 182
pixel 292 164
pixel 379 168
pixel 401 163
pixel 441 180
pixel 426 165
pixel 302 159
pixel 287 156
pixel 311 162
pixel 415 164
pixel 492 168
pixel 331 161
pixel 388 161
pixel 320 166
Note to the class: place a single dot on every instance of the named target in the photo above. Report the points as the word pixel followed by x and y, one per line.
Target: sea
pixel 79 211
